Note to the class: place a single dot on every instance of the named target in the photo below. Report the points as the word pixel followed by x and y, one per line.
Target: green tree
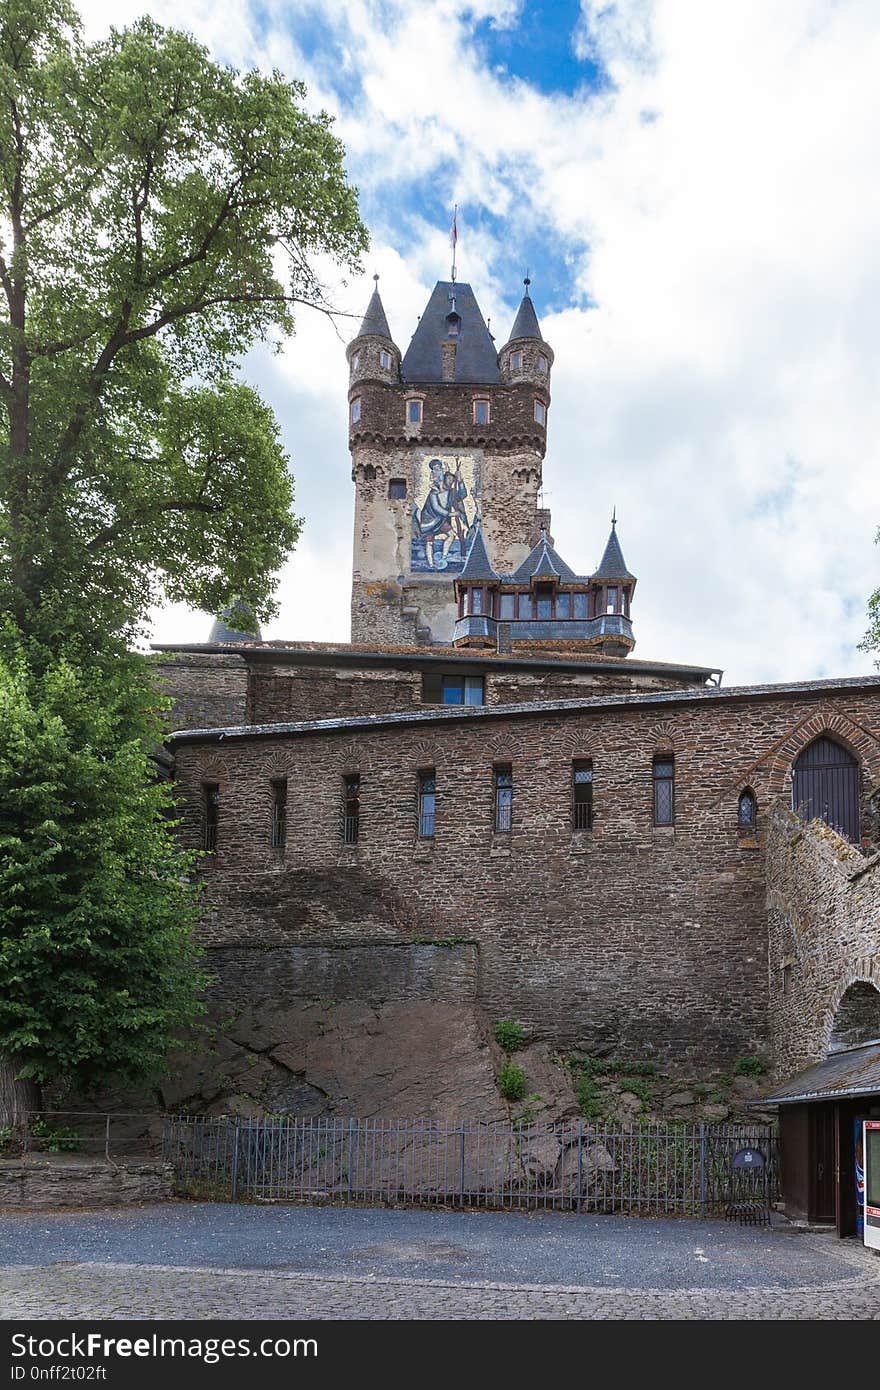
pixel 98 968
pixel 159 215
pixel 871 640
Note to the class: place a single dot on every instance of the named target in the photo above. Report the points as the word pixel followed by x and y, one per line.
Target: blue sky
pixel 692 187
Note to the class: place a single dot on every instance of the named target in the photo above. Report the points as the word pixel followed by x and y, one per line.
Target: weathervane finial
pixel 613 518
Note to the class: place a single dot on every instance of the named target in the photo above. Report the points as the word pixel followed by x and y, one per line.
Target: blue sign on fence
pixel 748 1158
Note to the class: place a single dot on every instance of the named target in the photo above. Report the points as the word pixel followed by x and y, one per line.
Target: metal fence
pixel 90 1133
pixel 645 1169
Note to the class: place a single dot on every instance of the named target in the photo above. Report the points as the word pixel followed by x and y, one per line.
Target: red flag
pixel 453 230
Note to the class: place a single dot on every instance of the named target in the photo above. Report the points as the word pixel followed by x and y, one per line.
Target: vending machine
pixel 871 1155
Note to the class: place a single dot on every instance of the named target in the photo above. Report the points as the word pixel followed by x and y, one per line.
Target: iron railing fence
pixel 647 1169
pixel 87 1132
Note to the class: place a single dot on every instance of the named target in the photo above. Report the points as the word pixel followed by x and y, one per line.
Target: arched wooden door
pixel 826 784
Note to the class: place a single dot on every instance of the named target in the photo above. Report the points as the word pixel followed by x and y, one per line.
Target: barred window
pixel 210 815
pixel 427 802
pixel 279 812
pixel 664 790
pixel 351 808
pixel 503 797
pixel 582 794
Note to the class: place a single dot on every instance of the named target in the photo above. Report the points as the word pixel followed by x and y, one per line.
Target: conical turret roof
pixel 526 325
pixel 477 567
pixel 374 321
pixel 612 565
pixel 543 562
pixel 224 627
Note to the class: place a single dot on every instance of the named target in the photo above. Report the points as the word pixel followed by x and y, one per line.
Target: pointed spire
pixel 228 626
pixel 374 322
pixel 526 325
pixel 477 566
pixel 612 565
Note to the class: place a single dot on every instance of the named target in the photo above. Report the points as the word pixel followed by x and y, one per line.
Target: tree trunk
pixel 17 1097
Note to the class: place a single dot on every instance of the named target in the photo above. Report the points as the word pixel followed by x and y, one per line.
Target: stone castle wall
pixel 629 937
pixel 823 912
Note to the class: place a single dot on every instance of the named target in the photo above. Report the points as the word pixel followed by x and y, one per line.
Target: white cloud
pixel 717 363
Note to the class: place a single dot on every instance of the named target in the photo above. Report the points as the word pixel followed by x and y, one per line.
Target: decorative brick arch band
pixel 779 760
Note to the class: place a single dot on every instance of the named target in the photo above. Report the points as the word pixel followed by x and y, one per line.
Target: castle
pixel 485 806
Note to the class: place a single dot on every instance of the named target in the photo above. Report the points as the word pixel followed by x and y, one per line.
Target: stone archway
pixel 857 1017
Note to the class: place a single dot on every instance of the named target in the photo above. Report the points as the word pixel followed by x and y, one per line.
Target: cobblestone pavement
pixel 209 1260
pixel 138 1291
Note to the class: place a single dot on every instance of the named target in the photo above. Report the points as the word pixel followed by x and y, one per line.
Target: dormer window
pixel 453 325
pixel 414 412
pixel 516 361
pixel 540 413
pixel 481 412
pixel 385 360
pixel 542 364
pixel 355 410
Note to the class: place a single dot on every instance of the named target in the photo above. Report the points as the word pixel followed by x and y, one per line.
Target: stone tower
pixel 447 437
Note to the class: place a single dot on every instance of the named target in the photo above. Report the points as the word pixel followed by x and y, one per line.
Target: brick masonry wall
pixel 286 692
pixel 207 691
pixel 823 913
pixel 629 937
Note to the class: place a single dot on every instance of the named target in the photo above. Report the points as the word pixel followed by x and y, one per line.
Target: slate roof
pixel 374 320
pixel 223 628
pixel 855 1072
pixel 477 565
pixel 475 359
pixel 526 325
pixel 543 560
pixel 523 708
pixel 612 565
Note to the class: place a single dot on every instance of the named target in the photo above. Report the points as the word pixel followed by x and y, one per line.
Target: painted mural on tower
pixel 445 513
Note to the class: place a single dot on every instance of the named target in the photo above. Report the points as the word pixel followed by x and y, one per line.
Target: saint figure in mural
pixel 443 518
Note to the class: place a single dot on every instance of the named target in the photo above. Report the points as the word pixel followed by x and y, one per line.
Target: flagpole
pixel 454 238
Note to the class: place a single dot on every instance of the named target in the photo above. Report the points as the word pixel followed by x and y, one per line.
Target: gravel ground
pixel 213 1260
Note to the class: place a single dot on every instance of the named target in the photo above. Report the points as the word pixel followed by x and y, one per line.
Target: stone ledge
pixel 44 1182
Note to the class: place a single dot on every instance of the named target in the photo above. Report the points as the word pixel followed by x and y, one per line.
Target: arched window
pixel 825 785
pixel 747 813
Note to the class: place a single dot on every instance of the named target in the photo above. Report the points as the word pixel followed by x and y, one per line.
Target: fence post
pixel 580 1161
pixel 235 1160
pixel 350 1153
pixel 107 1139
pixel 461 1168
pixel 26 1140
pixel 702 1170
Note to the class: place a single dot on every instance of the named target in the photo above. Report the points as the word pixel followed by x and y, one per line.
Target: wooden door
pixel 823 1164
pixel 825 784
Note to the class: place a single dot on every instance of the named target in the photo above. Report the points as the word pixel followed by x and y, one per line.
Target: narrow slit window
pixel 542 364
pixel 747 811
pixel 279 812
pixel 503 798
pixel 355 362
pixel 427 803
pixel 664 790
pixel 582 794
pixel 210 815
pixel 351 808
